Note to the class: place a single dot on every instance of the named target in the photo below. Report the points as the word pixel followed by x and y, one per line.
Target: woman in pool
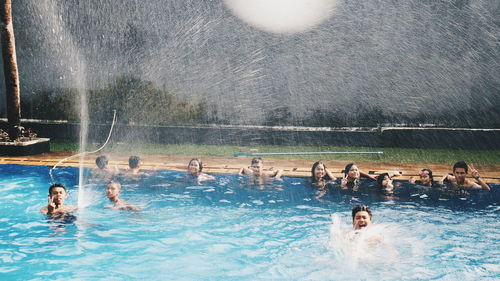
pixel 384 182
pixel 426 178
pixel 320 177
pixel 320 174
pixel 352 176
pixel 194 169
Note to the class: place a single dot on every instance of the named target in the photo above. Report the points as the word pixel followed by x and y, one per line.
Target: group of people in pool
pixel 320 177
pixel 361 215
pixel 56 208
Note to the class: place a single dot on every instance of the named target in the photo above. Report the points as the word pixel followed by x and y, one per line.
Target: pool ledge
pixel 231 165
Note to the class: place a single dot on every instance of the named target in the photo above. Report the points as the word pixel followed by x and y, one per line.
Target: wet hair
pixel 380 179
pixel 427 171
pixel 133 161
pixel 56 185
pixel 257 160
pixel 316 164
pixel 348 168
pixel 459 165
pixel 101 161
pixel 361 208
pixel 114 182
pixel 199 163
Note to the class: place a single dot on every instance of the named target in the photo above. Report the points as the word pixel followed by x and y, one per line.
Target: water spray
pixel 306 153
pixel 85 152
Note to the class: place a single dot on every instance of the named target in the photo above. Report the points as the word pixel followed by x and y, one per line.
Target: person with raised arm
pixel 425 178
pixel 352 176
pixel 319 173
pixel 320 178
pixel 459 177
pixel 385 183
pixel 256 169
pixel 55 206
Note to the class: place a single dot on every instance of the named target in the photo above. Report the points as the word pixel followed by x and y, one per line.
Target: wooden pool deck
pixel 231 165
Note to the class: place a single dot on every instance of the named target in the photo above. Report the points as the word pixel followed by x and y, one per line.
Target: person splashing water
pixel 366 243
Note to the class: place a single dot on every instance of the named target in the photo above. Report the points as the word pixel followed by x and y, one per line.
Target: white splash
pixel 282 16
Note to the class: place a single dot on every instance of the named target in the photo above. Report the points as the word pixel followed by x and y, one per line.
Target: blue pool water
pixel 234 230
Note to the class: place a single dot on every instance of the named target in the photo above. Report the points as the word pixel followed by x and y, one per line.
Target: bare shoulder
pixel 125 205
pixel 471 184
pixel 451 178
pixel 70 208
pixel 204 177
pixel 271 173
pixel 245 170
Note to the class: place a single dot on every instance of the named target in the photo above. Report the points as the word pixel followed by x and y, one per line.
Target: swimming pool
pixel 234 230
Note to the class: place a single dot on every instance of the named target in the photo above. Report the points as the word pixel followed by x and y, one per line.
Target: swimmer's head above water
pixel 257 166
pixel 113 190
pixel 426 177
pixel 318 171
pixel 460 170
pixel 101 162
pixel 134 162
pixel 384 181
pixel 195 166
pixel 57 194
pixel 361 217
pixel 351 172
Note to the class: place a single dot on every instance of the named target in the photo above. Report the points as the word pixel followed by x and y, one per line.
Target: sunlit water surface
pixel 232 230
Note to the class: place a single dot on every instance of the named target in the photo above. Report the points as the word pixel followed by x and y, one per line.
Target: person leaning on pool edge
pixel 319 173
pixel 256 169
pixel 460 171
pixel 426 178
pixel 55 205
pixel 352 175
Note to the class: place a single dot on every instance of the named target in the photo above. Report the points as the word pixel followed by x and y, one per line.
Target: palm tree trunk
pixel 10 67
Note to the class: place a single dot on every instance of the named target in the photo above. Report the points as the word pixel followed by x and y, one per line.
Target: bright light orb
pixel 282 16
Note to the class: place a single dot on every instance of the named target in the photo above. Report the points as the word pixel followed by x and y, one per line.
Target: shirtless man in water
pixel 460 171
pixel 103 170
pixel 256 169
pixel 55 207
pixel 366 234
pixel 134 171
pixel 113 190
pixel 361 217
